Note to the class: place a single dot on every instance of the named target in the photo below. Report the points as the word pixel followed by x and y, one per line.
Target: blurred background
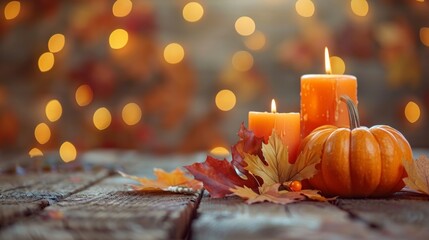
pixel 168 76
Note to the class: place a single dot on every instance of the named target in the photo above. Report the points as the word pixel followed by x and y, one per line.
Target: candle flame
pixel 273 106
pixel 327 62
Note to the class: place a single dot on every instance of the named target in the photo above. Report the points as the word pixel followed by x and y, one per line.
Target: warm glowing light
pixel 412 112
pixel 42 133
pixel 56 43
pixel 424 36
pixel 337 64
pixel 84 95
pixel 53 110
pixel 305 8
pixel 68 152
pixel 118 38
pixel 46 61
pixel 245 26
pixel 174 53
pixel 102 118
pixel 122 8
pixel 131 114
pixel 35 152
pixel 225 100
pixel 12 9
pixel 273 106
pixel 256 41
pixel 359 7
pixel 327 62
pixel 193 11
pixel 242 61
pixel 219 151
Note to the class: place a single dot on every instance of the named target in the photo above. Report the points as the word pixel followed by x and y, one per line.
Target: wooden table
pixel 88 200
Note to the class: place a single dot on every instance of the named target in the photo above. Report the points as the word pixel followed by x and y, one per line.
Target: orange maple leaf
pixel 174 181
pixel 271 193
pixel 418 174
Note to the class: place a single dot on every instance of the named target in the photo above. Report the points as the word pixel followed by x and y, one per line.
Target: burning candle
pixel 320 99
pixel 287 125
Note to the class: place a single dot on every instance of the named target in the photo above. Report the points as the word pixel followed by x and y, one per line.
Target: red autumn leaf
pixel 249 144
pixel 219 176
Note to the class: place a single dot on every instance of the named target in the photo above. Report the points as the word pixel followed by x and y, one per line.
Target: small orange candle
pixel 320 99
pixel 287 125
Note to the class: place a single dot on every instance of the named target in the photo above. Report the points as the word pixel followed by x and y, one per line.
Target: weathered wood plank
pixel 109 211
pixel 231 218
pixel 405 215
pixel 25 195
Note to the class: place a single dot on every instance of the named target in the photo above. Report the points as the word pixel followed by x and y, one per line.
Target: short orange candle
pixel 287 125
pixel 320 99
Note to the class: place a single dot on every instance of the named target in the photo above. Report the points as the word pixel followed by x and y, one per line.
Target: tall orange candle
pixel 320 99
pixel 287 125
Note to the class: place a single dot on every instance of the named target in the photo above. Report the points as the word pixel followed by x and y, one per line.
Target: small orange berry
pixel 295 186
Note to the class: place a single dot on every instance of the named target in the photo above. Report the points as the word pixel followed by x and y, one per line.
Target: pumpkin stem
pixel 353 112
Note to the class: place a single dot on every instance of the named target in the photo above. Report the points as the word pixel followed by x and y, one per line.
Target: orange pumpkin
pixel 357 161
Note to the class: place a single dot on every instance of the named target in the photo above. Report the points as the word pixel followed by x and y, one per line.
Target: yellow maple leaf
pixel 277 168
pixel 418 174
pixel 174 181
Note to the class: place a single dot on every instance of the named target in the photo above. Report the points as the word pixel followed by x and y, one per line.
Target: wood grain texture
pixel 403 216
pixel 231 218
pixel 24 195
pixel 108 211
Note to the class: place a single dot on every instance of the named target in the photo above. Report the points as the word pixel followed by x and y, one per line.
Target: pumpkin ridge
pixel 323 182
pixel 384 174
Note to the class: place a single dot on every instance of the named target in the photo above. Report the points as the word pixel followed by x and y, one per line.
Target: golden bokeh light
pixel 118 38
pixel 68 152
pixel 42 133
pixel 174 53
pixel 412 112
pixel 35 152
pixel 46 61
pixel 225 100
pixel 122 8
pixel 256 41
pixel 56 43
pixel 193 11
pixel 84 95
pixel 102 118
pixel 424 36
pixel 305 8
pixel 245 26
pixel 219 151
pixel 131 114
pixel 12 9
pixel 337 64
pixel 242 61
pixel 53 110
pixel 359 7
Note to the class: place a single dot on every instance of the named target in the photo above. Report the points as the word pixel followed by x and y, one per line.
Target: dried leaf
pixel 174 181
pixel 248 143
pixel 218 176
pixel 418 174
pixel 305 166
pixel 277 168
pixel 314 195
pixel 269 193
